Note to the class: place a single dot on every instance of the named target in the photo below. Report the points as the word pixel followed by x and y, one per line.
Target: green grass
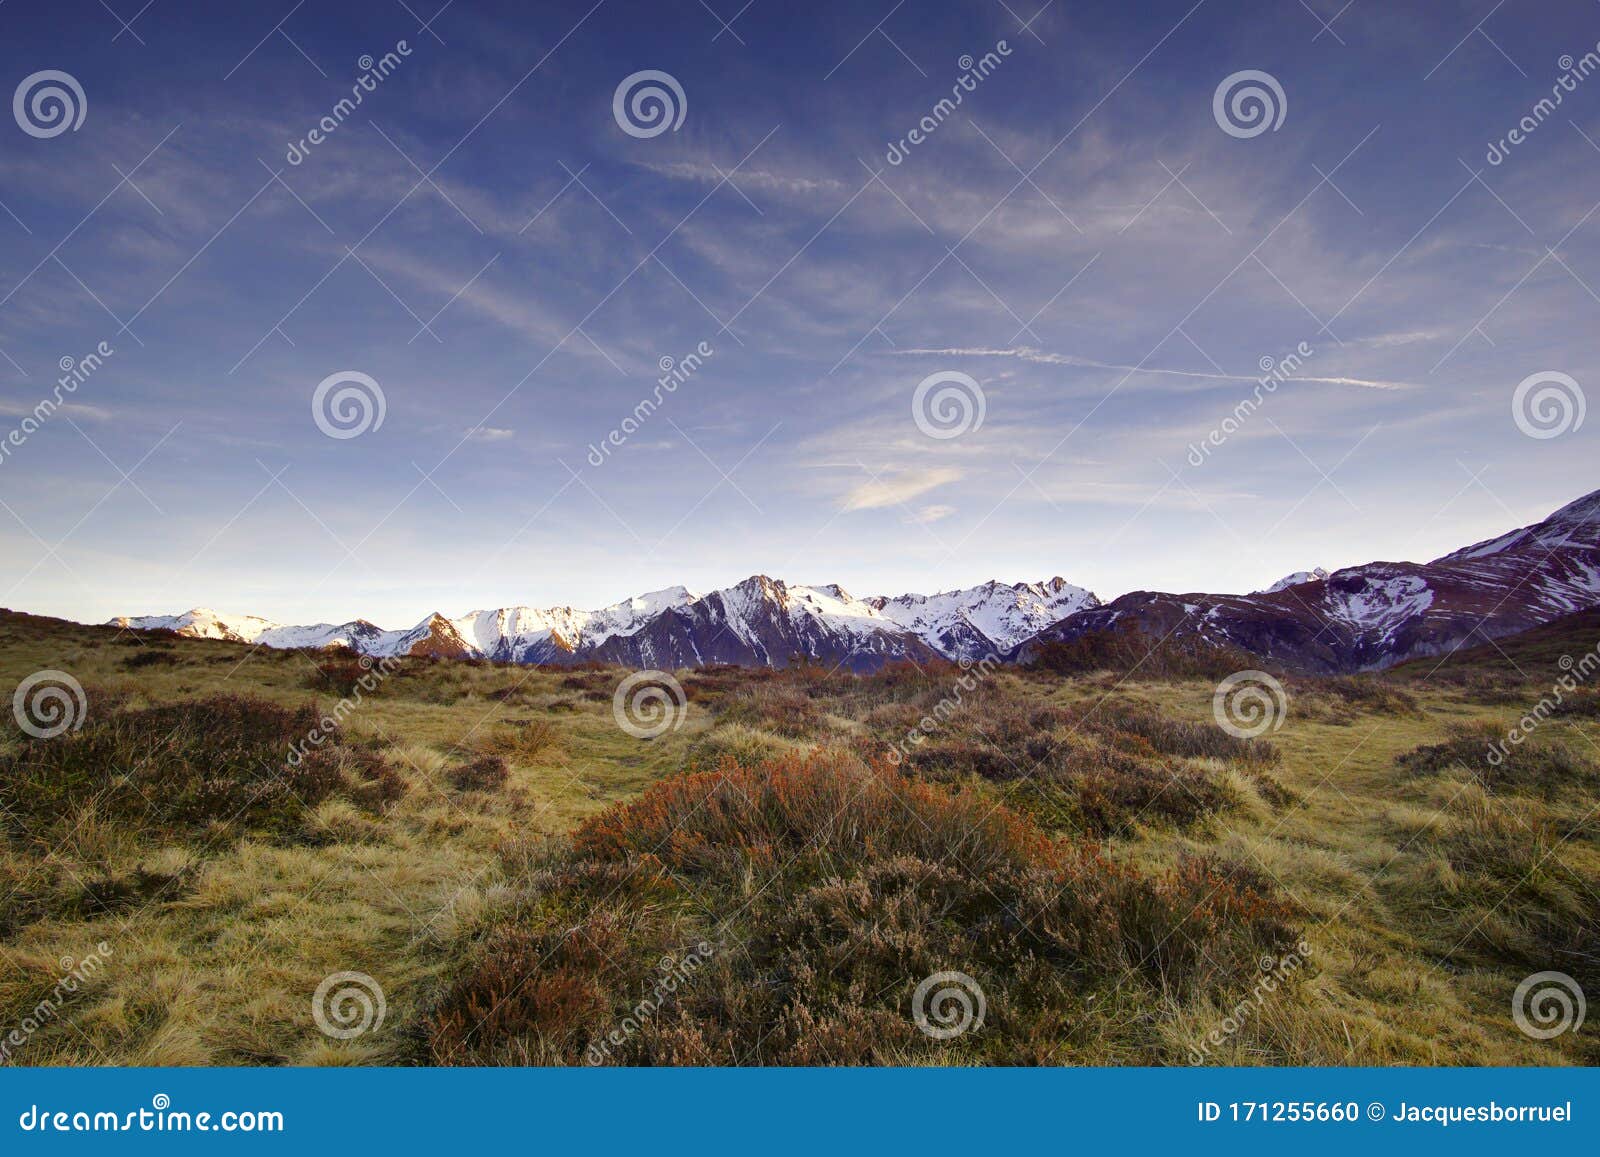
pixel 1425 888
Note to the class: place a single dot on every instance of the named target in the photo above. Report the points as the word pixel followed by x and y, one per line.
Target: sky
pixel 1091 256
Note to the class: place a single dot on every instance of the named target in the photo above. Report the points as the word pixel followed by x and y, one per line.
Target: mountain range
pixel 761 621
pixel 1356 619
pixel 1369 617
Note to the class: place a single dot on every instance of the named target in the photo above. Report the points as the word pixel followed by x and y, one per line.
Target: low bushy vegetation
pixel 339 672
pixel 1125 648
pixel 1345 699
pixel 817 893
pixel 486 773
pixel 1502 763
pixel 771 880
pixel 219 762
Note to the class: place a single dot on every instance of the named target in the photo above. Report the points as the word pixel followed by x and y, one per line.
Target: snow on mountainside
pixel 1373 616
pixel 203 623
pixel 766 622
pixel 760 621
pixel 971 623
pixel 1575 524
pixel 525 634
pixel 1314 575
pixel 1356 619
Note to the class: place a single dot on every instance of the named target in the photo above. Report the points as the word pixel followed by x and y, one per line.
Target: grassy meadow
pixel 522 877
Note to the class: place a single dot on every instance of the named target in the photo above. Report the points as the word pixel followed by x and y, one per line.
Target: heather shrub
pixel 1094 788
pixel 486 773
pixel 903 677
pixel 782 707
pixel 711 683
pixel 223 760
pixel 786 914
pixel 339 672
pixel 1142 729
pixel 1102 774
pixel 1581 704
pixel 949 758
pixel 1486 751
pixel 149 657
pixel 1124 648
pixel 1367 694
pixel 591 684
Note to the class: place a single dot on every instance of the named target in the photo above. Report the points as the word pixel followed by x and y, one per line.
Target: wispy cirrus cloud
pixel 73 409
pixel 1043 358
pixel 899 488
pixel 934 512
pixel 709 173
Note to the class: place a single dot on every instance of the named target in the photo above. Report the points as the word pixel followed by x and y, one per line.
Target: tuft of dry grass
pixel 739 744
pixel 523 741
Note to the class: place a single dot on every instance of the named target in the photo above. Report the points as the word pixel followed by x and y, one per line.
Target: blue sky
pixel 484 241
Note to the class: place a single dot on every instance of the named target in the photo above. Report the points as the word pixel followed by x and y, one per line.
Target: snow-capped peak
pixel 1576 524
pixel 1315 575
pixel 990 617
pixel 765 612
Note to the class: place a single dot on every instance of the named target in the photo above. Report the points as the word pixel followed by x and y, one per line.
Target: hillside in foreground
pixel 794 866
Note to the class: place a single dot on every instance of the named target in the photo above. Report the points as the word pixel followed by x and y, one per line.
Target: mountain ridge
pixel 760 621
pixel 1354 619
pixel 1374 616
